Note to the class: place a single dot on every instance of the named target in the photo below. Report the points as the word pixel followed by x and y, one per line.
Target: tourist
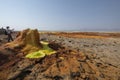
pixel 9 33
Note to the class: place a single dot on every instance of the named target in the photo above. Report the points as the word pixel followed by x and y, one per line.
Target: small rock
pixel 83 76
pixel 57 78
pixel 75 74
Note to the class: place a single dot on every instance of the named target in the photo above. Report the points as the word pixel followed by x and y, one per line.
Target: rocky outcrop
pixel 2 31
pixel 27 41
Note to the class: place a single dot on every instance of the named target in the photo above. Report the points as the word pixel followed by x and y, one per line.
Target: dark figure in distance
pixel 9 33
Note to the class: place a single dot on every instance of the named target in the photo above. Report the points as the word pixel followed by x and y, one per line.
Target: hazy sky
pixel 61 14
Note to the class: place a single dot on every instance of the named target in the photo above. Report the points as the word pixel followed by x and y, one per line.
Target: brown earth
pixel 87 34
pixel 79 57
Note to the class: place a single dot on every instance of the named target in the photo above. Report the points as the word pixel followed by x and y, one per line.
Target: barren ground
pixel 81 56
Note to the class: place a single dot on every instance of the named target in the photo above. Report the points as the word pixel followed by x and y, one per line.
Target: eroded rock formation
pixel 27 41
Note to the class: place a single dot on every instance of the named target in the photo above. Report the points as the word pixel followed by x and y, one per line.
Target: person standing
pixel 9 33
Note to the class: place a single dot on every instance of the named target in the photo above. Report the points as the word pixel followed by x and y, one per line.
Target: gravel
pixel 107 49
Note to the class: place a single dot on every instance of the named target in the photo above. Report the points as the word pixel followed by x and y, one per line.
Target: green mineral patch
pixel 46 50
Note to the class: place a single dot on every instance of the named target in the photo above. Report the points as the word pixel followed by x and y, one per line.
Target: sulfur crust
pixel 46 50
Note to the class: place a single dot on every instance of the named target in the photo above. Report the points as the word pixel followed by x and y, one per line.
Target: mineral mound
pixel 27 41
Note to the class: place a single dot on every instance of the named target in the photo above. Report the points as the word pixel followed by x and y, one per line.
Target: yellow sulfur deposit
pixel 28 42
pixel 46 50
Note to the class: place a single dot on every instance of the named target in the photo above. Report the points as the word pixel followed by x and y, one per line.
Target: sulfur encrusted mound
pixel 27 41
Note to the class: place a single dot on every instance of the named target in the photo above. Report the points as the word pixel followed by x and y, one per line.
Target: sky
pixel 63 15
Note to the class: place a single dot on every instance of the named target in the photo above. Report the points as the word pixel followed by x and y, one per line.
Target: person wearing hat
pixel 9 33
